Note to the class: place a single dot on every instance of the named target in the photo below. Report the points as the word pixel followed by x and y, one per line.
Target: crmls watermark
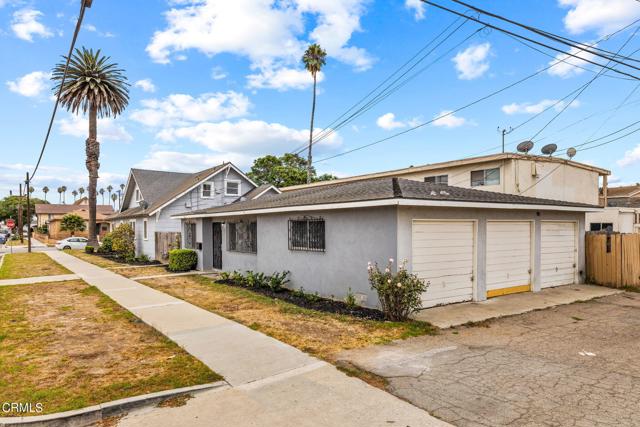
pixel 21 408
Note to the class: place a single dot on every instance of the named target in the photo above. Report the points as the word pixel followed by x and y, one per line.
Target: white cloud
pixel 473 62
pixel 282 79
pixel 602 16
pixel 388 122
pixel 30 85
pixel 566 65
pixel 245 136
pixel 146 85
pixel 631 157
pixel 108 129
pixel 25 25
pixel 418 8
pixel 448 120
pixel 270 34
pixel 218 73
pixel 182 109
pixel 190 162
pixel 93 29
pixel 529 108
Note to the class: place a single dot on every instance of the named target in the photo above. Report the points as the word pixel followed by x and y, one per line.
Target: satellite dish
pixel 571 152
pixel 525 147
pixel 549 149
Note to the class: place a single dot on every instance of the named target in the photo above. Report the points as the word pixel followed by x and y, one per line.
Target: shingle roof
pixel 50 208
pixel 622 191
pixel 257 191
pixel 380 189
pixel 159 187
pixel 624 202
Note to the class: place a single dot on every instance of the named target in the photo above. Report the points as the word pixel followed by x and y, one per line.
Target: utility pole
pixel 28 184
pixel 20 214
pixel 504 132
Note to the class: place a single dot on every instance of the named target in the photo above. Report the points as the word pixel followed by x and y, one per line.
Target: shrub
pixel 143 258
pixel 72 223
pixel 277 281
pixel 237 278
pixel 89 249
pixel 225 275
pixel 182 259
pixel 43 229
pixel 350 299
pixel 255 280
pixel 122 241
pixel 400 293
pixel 107 244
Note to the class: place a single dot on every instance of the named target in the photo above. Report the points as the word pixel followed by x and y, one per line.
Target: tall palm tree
pixel 120 195
pixel 314 59
pixel 114 197
pixel 81 191
pixel 98 87
pixel 64 194
pixel 101 191
pixel 59 194
pixel 75 194
pixel 110 189
pixel 45 190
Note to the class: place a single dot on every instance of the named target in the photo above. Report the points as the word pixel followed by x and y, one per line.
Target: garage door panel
pixel 443 255
pixel 558 258
pixel 508 255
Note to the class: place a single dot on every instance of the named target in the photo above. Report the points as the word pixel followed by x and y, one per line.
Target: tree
pixel 314 59
pixel 97 87
pixel 72 223
pixel 59 194
pixel 31 190
pixel 123 241
pixel 64 194
pixel 101 191
pixel 9 207
pixel 284 171
pixel 75 194
pixel 110 189
pixel 81 191
pixel 114 197
pixel 45 190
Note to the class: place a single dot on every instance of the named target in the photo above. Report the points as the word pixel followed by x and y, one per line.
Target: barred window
pixel 306 234
pixel 190 236
pixel 242 237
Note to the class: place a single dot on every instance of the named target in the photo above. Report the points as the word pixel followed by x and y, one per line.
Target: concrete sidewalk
pixel 39 279
pixel 272 382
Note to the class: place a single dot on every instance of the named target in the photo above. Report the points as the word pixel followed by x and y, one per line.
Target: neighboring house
pixel 512 173
pixel 151 197
pixel 468 244
pixel 50 215
pixel 622 213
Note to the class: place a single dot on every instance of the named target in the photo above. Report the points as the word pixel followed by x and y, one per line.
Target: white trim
pixel 213 190
pixel 392 202
pixel 126 187
pixel 238 181
pixel 226 168
pixel 271 187
pixel 145 229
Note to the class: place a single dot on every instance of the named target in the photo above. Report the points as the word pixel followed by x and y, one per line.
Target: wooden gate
pixel 166 241
pixel 613 259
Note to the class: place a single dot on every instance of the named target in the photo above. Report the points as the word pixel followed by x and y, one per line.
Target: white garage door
pixel 558 258
pixel 508 257
pixel 442 254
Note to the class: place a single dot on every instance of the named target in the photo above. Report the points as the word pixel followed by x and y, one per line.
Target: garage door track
pixel 573 365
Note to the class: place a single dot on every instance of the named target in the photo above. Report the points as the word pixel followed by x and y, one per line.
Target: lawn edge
pixel 94 413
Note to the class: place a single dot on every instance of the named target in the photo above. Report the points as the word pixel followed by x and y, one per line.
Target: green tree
pixel 45 190
pixel 122 239
pixel 72 223
pixel 98 87
pixel 114 197
pixel 9 207
pixel 101 192
pixel 314 59
pixel 75 195
pixel 81 191
pixel 283 171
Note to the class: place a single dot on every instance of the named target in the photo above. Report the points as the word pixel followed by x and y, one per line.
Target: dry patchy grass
pixel 318 333
pixel 95 259
pixel 35 264
pixel 119 267
pixel 141 271
pixel 68 346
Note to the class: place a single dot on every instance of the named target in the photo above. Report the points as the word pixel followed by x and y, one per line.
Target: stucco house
pixel 622 212
pixel 50 215
pixel 468 244
pixel 151 198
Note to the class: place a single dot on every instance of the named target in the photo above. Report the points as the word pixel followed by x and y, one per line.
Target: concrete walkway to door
pixel 271 382
pixel 451 315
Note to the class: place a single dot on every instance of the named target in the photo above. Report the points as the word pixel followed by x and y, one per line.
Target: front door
pixel 217 245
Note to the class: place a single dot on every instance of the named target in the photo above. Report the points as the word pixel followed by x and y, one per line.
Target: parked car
pixel 3 239
pixel 72 243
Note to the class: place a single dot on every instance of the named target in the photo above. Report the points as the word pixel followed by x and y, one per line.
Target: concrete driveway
pixel 573 365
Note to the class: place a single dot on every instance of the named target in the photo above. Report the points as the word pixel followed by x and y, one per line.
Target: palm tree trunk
pixel 313 112
pixel 92 163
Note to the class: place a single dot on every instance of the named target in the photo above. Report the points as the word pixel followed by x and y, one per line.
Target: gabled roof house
pixel 622 211
pixel 151 198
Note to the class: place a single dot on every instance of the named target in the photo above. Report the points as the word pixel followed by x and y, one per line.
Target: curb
pixel 87 416
pixel 2 259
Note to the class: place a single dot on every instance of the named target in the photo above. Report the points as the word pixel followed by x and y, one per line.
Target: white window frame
pixel 132 223
pixel 145 229
pixel 484 178
pixel 226 187
pixel 212 191
pixel 137 195
pixel 438 179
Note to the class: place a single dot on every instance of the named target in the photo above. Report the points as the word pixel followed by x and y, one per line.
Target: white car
pixel 72 243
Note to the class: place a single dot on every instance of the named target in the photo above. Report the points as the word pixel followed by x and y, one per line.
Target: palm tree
pixel 59 194
pixel 45 190
pixel 98 87
pixel 75 194
pixel 64 194
pixel 120 195
pixel 81 191
pixel 314 58
pixel 101 191
pixel 114 197
pixel 110 189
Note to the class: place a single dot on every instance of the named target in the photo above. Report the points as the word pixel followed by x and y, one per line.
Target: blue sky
pixel 214 80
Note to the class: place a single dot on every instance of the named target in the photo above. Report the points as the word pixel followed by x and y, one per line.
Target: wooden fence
pixel 613 259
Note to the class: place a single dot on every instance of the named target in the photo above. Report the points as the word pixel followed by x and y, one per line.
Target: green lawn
pixel 35 264
pixel 67 346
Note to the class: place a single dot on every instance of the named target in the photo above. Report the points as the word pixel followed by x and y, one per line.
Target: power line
pixel 85 4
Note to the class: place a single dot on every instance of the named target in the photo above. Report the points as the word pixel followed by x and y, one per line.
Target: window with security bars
pixel 307 234
pixel 190 236
pixel 242 237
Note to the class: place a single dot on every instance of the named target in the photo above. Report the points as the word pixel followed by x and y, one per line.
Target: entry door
pixel 217 245
pixel 558 265
pixel 443 254
pixel 508 257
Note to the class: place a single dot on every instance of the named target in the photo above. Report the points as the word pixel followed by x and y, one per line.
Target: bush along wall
pixel 182 260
